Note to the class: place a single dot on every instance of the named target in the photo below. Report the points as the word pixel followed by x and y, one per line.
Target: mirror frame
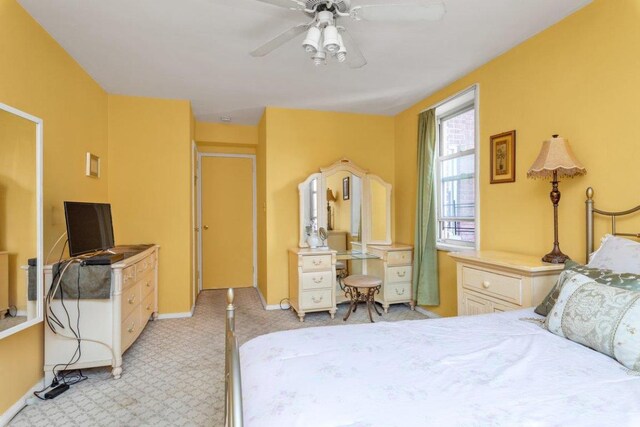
pixel 39 230
pixel 344 164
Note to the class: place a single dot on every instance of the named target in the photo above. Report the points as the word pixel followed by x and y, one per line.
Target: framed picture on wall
pixel 92 166
pixel 503 157
pixel 346 188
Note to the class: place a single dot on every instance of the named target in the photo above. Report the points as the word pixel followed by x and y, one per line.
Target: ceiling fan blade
pixel 280 40
pixel 399 12
pixel 287 4
pixel 355 58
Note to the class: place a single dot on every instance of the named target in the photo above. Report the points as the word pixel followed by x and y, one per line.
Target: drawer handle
pixel 317 261
pixel 148 307
pixel 401 273
pixel 131 328
pixel 148 284
pixel 486 284
pixel 132 299
pixel 318 280
pixel 317 300
pixel 399 293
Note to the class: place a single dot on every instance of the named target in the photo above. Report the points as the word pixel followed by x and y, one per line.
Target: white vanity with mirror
pixel 345 229
pixel 20 219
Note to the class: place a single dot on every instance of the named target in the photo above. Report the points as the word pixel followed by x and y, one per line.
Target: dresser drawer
pixel 146 308
pixel 130 329
pixel 145 265
pixel 128 276
pixel 310 300
pixel 399 274
pixel 130 299
pixel 399 258
pixel 316 263
pixel 397 292
pixel 316 280
pixel 147 284
pixel 507 288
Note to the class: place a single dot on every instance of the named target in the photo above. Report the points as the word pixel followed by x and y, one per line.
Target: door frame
pixel 254 213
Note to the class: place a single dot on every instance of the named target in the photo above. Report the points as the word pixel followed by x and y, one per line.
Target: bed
pixel 496 369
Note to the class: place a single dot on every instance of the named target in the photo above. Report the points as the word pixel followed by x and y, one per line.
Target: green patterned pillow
pixel 606 277
pixel 604 318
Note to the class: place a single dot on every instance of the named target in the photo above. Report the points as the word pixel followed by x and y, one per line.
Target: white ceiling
pixel 199 50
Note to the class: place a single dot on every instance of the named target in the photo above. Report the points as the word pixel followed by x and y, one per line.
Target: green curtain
pixel 425 260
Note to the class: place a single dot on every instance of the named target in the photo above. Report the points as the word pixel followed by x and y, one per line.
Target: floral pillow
pixel 601 317
pixel 606 277
pixel 617 254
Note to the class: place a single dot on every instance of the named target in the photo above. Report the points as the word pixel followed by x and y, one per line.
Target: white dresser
pixel 312 281
pixel 395 268
pixel 491 281
pixel 111 325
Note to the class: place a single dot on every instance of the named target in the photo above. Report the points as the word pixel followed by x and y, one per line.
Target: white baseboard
pixel 429 314
pixel 270 307
pixel 164 316
pixel 21 403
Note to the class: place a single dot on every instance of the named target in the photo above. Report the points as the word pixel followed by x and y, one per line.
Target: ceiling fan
pixel 326 39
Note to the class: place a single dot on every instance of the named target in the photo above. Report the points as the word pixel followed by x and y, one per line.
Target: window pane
pixel 456 167
pixel 458 133
pixel 458 198
pixel 464 231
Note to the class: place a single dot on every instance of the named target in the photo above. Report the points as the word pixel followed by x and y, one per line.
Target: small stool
pixel 361 288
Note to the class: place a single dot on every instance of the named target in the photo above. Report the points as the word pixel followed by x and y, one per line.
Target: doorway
pixel 227 220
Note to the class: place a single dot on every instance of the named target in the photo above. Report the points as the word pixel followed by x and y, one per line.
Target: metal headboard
pixel 614 215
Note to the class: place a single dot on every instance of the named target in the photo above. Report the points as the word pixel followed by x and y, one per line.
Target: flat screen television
pixel 89 227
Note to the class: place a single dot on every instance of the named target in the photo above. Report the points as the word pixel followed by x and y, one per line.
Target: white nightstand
pixel 491 281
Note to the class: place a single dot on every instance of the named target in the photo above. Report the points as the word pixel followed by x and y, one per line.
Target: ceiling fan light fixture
pixel 319 58
pixel 331 41
pixel 312 42
pixel 341 54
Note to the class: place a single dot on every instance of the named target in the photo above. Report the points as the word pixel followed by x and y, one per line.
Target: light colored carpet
pixel 173 374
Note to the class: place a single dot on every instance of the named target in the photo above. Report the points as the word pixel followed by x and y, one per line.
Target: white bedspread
pixel 467 371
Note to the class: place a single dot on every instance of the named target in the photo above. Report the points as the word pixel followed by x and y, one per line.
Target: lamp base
pixel 555 256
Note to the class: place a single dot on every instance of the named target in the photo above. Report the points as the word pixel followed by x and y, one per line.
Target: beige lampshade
pixel 330 196
pixel 556 155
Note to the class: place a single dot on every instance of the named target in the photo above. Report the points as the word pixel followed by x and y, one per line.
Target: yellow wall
pixel 150 187
pixel 579 79
pixel 17 200
pixel 39 77
pixel 261 199
pixel 226 133
pixel 299 143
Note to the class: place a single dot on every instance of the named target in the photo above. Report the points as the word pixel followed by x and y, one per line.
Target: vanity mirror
pixel 20 219
pixel 353 205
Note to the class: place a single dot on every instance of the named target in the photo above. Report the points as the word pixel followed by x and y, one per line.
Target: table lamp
pixel 555 160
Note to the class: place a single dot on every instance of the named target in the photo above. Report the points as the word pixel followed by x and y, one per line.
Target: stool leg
pixel 375 307
pixel 356 298
pixel 369 295
pixel 346 316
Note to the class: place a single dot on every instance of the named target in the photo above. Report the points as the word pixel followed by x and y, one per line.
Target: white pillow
pixel 598 316
pixel 617 254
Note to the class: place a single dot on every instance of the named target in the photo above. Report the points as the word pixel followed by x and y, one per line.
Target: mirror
pixel 344 209
pixel 20 219
pixel 351 204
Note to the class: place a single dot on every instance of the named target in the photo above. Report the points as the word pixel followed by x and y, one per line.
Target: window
pixel 456 171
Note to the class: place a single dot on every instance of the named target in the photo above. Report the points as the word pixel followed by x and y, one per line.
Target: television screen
pixel 89 227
